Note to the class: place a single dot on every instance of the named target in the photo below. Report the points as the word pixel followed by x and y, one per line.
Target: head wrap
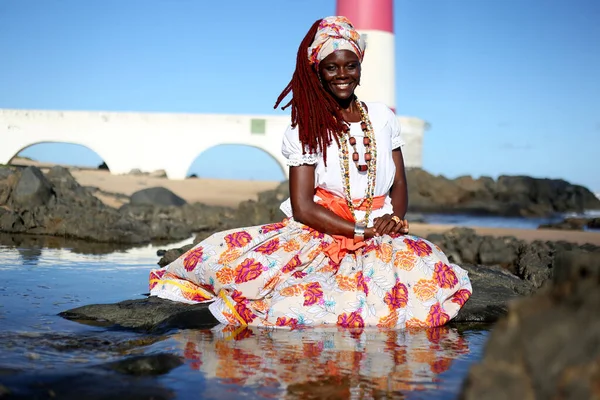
pixel 335 33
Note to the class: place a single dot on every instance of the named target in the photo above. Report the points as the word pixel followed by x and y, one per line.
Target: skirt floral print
pixel 278 275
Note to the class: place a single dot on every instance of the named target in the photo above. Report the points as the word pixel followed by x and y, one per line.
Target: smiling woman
pixel 343 255
pixel 340 74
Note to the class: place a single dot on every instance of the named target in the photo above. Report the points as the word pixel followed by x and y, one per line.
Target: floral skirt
pixel 279 275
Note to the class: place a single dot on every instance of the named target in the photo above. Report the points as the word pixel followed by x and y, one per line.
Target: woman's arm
pixel 399 194
pixel 399 191
pixel 306 211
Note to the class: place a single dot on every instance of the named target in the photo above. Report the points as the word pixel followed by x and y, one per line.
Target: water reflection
pixel 28 243
pixel 334 363
pixel 30 256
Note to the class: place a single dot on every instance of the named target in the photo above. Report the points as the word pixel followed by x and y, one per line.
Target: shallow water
pixel 492 221
pixel 43 278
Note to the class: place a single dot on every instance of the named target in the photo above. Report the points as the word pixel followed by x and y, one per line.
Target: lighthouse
pixel 374 20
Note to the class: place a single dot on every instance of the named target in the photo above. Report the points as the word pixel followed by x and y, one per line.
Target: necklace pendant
pixel 362 167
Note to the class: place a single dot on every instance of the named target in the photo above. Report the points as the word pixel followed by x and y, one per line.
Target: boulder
pixel 493 289
pixel 55 204
pixel 535 263
pixel 32 189
pixel 156 196
pixel 508 196
pixel 571 224
pixel 547 346
pixel 149 314
pixel 593 223
pixel 531 262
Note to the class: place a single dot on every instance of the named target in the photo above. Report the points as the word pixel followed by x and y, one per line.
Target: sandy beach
pixel 231 192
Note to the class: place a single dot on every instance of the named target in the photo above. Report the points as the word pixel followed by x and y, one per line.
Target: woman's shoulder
pixel 381 115
pixel 379 109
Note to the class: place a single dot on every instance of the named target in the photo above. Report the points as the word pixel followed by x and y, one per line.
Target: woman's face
pixel 340 73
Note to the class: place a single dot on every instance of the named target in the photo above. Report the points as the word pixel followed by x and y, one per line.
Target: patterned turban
pixel 335 33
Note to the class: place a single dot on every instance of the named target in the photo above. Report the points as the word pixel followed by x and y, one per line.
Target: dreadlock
pixel 314 111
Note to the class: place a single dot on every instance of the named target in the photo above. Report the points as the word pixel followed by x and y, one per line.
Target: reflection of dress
pixel 370 360
pixel 282 275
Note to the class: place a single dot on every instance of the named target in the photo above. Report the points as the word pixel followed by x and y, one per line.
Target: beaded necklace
pixel 370 159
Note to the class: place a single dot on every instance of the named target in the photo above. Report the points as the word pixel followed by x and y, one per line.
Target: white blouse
pixel 387 137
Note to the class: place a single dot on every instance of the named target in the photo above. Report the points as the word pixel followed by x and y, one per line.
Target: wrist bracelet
pixel 359 232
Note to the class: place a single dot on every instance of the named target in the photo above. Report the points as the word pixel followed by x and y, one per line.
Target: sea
pixel 490 221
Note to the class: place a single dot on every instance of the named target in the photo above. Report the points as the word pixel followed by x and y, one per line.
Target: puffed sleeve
pixel 291 148
pixel 394 124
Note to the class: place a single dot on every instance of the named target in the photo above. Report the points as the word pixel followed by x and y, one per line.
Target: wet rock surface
pixel 547 347
pixel 149 314
pixel 573 224
pixel 131 378
pixel 131 375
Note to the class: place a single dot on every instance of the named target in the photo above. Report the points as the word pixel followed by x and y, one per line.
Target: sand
pixel 231 192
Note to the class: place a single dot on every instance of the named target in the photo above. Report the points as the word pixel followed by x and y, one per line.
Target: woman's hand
pixel 389 224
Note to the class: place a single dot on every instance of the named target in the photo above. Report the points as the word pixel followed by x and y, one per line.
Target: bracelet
pixel 359 232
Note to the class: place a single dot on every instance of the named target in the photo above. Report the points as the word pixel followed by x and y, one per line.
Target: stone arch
pixel 277 158
pixel 22 147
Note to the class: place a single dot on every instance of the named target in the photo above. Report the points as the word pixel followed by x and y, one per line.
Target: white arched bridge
pixel 159 141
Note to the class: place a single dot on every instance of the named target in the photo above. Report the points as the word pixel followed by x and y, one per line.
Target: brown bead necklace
pixel 366 141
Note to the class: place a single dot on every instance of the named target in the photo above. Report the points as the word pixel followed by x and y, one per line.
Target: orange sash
pixel 341 244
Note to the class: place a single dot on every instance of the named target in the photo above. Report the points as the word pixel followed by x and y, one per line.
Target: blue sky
pixel 509 87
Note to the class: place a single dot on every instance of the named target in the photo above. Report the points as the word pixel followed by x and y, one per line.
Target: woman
pixel 342 256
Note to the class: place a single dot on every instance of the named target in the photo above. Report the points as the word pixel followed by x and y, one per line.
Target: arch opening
pixel 47 154
pixel 237 162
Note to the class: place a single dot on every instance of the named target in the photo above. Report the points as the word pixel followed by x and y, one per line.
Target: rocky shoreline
pixel 540 295
pixel 54 203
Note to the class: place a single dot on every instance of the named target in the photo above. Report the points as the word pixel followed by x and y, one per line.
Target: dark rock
pixel 535 263
pixel 501 251
pixel 149 314
pixel 265 210
pixel 81 343
pixel 146 365
pixel 463 245
pixel 156 196
pixel 493 289
pixel 168 256
pixel 11 221
pixel 593 223
pixel 572 224
pixel 103 166
pixel 70 211
pixel 181 222
pixel 508 196
pixel 547 347
pixel 31 190
pixel 91 383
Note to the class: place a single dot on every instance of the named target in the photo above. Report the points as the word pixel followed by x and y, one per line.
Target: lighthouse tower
pixel 374 20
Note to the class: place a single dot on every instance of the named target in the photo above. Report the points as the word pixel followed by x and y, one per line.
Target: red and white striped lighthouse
pixel 374 19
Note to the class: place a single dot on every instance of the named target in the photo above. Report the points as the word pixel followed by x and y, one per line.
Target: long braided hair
pixel 314 110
